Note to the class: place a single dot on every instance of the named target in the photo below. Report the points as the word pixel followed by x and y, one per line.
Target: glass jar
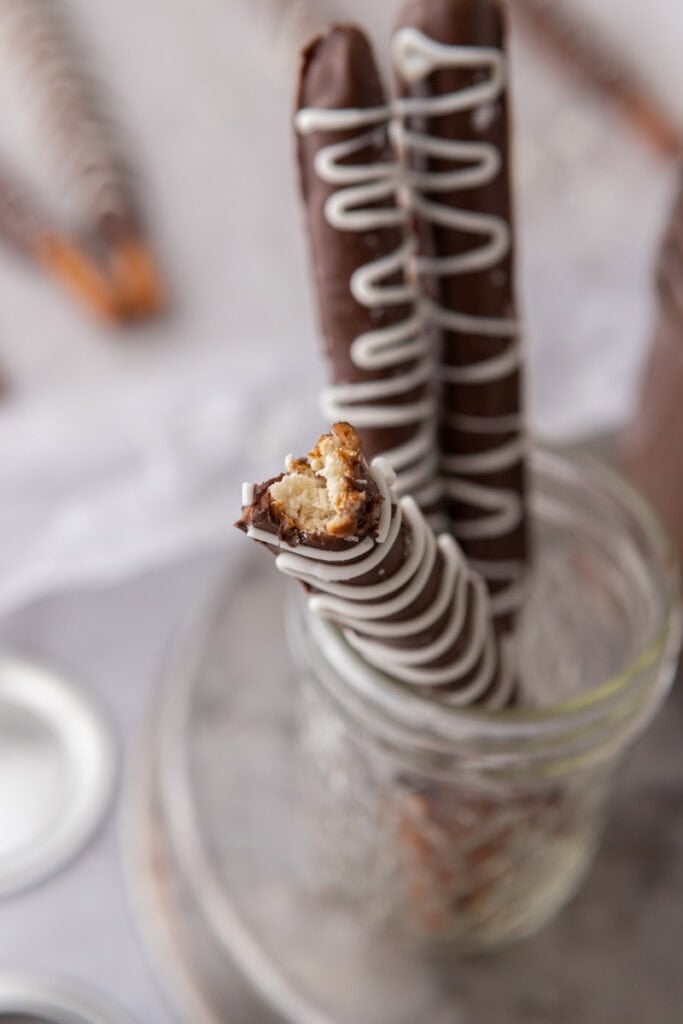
pixel 473 828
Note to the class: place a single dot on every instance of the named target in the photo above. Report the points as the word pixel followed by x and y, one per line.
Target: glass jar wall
pixel 472 828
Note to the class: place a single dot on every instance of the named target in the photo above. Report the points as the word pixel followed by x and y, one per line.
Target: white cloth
pixel 119 447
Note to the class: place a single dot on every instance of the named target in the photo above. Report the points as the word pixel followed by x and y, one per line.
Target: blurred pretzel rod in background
pixel 566 35
pixel 110 266
pixel 27 228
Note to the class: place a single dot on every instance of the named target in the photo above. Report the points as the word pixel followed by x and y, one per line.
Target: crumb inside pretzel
pixel 326 493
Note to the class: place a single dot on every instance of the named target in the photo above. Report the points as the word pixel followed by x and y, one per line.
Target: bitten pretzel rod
pixel 28 231
pixel 81 140
pixel 406 602
pixel 380 357
pixel 451 68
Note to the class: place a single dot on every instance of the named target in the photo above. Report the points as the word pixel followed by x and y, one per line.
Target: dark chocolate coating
pixel 427 636
pixel 338 71
pixel 487 293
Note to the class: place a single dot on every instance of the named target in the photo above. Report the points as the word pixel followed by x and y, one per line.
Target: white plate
pixel 57 772
pixel 41 1000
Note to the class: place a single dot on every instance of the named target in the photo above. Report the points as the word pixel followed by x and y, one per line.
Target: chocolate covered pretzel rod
pixel 406 602
pixel 380 359
pixel 81 140
pixel 450 63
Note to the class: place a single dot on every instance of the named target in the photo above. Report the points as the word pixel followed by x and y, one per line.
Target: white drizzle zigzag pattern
pixel 364 612
pixel 77 131
pixel 352 208
pixel 475 164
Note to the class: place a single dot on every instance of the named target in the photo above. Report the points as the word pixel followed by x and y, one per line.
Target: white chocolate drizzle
pixel 475 164
pixel 402 349
pixel 365 613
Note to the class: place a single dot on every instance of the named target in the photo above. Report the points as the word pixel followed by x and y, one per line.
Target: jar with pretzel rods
pixel 472 828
